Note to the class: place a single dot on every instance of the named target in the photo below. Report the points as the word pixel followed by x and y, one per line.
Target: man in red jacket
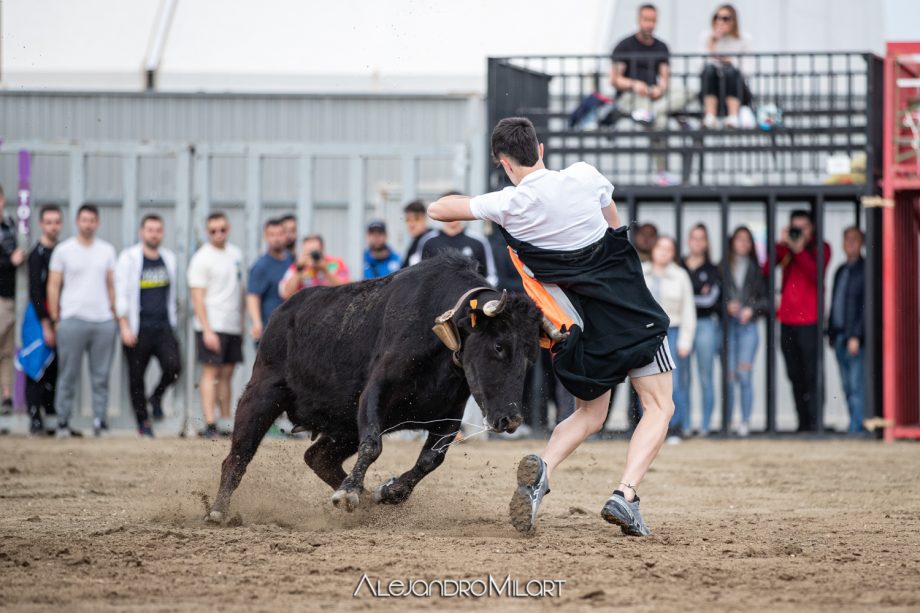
pixel 800 339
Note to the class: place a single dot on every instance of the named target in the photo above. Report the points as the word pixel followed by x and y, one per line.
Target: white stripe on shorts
pixel 662 363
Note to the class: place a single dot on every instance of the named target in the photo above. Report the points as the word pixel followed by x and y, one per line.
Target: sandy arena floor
pixel 116 524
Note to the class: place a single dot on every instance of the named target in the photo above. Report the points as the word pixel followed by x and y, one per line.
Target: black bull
pixel 351 362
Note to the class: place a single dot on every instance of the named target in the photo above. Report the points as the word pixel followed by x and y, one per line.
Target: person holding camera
pixel 313 268
pixel 797 255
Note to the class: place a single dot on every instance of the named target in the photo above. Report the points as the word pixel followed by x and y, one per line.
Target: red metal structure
pixel 901 232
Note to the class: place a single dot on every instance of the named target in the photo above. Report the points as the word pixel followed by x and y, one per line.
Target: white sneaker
pixel 62 433
pixel 710 122
pixel 731 122
pixel 744 429
pixel 673 440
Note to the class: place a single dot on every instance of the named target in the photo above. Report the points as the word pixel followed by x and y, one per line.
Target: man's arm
pixel 210 339
pixel 290 284
pixel 664 79
pixel 451 208
pixel 611 215
pixel 55 280
pixel 110 288
pixel 254 307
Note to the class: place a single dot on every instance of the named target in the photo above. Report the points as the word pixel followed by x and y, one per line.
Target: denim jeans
pixel 742 347
pixel 851 377
pixel 681 383
pixel 705 348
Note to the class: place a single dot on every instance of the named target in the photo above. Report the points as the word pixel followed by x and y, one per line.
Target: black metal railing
pixel 825 101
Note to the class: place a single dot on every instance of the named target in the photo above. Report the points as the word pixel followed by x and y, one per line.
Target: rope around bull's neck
pixel 437 447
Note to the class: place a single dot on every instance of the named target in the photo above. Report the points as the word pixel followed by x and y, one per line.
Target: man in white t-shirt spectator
pixel 81 303
pixel 215 277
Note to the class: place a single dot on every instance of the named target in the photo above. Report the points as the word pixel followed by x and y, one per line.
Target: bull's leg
pixel 260 405
pixel 326 455
pixel 397 489
pixel 349 493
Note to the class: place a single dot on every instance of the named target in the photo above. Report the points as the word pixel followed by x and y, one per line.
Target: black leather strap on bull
pixel 445 328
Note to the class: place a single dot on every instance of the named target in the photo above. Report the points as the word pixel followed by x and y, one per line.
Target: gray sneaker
pixel 532 486
pixel 625 514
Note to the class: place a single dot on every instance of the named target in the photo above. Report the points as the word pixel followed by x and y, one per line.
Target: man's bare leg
pixel 207 387
pixel 225 377
pixel 655 395
pixel 589 417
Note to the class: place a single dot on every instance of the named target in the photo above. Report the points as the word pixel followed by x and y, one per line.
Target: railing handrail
pixel 853 53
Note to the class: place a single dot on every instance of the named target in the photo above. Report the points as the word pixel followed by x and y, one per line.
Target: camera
pixel 317 255
pixel 795 233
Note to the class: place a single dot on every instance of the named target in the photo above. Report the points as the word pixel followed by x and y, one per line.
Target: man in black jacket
pixel 846 328
pixel 40 393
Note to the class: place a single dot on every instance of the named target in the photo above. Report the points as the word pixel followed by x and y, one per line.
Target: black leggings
pixel 162 344
pixel 723 81
pixel 40 395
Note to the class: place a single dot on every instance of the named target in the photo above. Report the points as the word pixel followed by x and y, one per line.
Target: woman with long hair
pixel 707 295
pixel 746 293
pixel 722 86
pixel 670 286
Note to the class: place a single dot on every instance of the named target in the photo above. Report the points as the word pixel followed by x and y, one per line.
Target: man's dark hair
pixel 89 208
pixel 273 223
pixel 217 215
pixel 286 217
pixel 516 138
pixel 416 206
pixel 802 213
pixel 49 208
pixel 650 7
pixel 151 217
pixel 315 237
pixel 858 230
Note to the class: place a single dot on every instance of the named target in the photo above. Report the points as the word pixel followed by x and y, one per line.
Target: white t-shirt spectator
pixel 558 210
pixel 220 273
pixel 84 268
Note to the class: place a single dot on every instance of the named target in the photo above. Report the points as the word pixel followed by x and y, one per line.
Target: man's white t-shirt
pixel 558 210
pixel 220 273
pixel 84 268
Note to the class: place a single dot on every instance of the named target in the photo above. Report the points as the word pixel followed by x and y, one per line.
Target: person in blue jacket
pixel 379 258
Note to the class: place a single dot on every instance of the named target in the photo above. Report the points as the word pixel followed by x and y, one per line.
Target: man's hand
pixel 48 333
pixel 128 338
pixel 655 92
pixel 733 307
pixel 18 256
pixel 745 315
pixel 256 331
pixel 211 340
pixel 853 346
pixel 640 88
pixel 682 352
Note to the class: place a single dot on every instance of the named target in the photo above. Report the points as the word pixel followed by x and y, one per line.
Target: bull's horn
pixel 553 332
pixel 494 307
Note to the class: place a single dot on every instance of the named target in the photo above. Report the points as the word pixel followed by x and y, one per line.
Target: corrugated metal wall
pixel 444 121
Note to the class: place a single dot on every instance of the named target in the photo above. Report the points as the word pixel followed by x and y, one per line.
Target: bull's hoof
pixel 346 499
pixel 387 494
pixel 215 517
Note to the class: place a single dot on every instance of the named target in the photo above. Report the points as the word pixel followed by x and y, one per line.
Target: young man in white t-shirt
pixel 215 277
pixel 566 241
pixel 81 304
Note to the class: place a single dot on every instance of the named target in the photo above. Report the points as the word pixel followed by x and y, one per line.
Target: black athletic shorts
pixel 231 349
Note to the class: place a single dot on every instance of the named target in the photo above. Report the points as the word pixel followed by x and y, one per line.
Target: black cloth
pixel 158 343
pixel 707 288
pixel 799 345
pixel 7 247
pixel 154 298
pixel 645 66
pixel 39 259
pixel 724 81
pixel 624 325
pixel 462 242
pixel 231 349
pixel 854 303
pixel 40 396
pixel 752 293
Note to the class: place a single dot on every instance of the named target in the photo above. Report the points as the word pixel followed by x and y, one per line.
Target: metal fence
pixel 178 180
